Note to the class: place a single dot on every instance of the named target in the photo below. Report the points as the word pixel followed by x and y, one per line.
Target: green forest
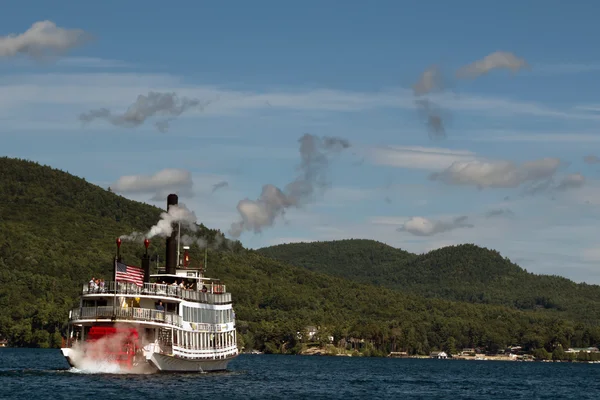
pixel 57 231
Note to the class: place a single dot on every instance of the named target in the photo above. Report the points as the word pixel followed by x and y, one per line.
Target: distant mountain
pixel 462 273
pixel 57 231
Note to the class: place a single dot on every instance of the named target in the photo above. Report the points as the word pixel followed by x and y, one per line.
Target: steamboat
pixel 174 320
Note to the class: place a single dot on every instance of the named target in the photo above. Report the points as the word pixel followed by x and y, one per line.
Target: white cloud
pixel 420 226
pixel 589 107
pixel 415 157
pixel 28 94
pixel 503 136
pixel 497 174
pixel 43 38
pixel 388 220
pixel 160 184
pixel 496 60
pixel 91 62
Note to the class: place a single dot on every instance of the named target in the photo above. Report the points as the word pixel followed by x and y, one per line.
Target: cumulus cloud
pixel 42 39
pixel 315 153
pixel 420 226
pixel 497 174
pixel 496 60
pixel 159 185
pixel 155 104
pixel 591 159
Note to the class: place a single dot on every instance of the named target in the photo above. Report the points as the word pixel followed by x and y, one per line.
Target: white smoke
pixel 176 214
pixel 134 237
pixel 92 357
pixel 315 154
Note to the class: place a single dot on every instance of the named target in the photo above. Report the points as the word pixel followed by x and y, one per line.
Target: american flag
pixel 129 273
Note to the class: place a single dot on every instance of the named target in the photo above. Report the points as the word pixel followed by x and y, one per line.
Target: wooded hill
pixel 57 231
pixel 465 273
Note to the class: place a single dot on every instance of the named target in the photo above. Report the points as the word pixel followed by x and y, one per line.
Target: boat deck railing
pixel 215 294
pixel 129 313
pixel 213 353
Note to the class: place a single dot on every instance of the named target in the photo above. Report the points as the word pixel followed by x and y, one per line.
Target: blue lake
pixel 35 373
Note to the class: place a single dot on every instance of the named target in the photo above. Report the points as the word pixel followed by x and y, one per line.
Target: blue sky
pixel 512 161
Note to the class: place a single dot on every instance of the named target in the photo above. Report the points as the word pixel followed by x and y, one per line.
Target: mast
pixel 178 242
pixel 205 257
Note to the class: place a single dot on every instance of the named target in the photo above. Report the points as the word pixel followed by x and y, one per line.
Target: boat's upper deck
pixel 214 294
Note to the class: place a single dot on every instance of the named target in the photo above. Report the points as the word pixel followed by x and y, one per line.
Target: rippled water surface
pixel 43 374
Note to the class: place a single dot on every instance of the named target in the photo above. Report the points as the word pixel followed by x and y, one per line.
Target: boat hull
pixel 167 363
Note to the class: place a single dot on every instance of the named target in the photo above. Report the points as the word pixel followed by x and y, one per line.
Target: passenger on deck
pixel 91 284
pixel 182 285
pixel 160 307
pixel 204 289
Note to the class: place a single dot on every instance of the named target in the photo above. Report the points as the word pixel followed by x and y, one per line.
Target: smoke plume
pixel 155 104
pixel 219 185
pixel 432 115
pixel 42 39
pixel 203 242
pixel 176 214
pixel 315 155
pixel 430 81
pixel 496 60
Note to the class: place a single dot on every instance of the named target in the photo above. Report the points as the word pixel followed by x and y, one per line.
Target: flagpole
pixel 115 296
pixel 115 276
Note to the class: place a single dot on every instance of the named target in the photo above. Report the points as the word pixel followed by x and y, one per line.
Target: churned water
pixel 43 374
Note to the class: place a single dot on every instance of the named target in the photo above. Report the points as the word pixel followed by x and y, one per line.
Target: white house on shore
pixel 440 355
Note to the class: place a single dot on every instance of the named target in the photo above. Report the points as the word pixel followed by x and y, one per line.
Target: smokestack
pixel 146 262
pixel 171 254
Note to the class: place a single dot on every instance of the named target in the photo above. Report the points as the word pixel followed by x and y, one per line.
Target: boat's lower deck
pixel 146 362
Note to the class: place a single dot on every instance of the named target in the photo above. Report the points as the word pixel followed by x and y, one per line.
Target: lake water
pixel 43 374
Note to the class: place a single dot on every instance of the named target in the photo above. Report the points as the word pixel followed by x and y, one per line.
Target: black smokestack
pixel 171 255
pixel 146 267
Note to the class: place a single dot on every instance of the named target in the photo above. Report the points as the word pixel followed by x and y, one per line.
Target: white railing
pixel 211 354
pixel 215 294
pixel 129 313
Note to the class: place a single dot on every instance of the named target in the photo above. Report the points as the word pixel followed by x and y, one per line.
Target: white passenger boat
pixel 175 320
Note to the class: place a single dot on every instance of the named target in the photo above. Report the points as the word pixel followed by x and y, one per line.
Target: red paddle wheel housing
pixel 118 345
